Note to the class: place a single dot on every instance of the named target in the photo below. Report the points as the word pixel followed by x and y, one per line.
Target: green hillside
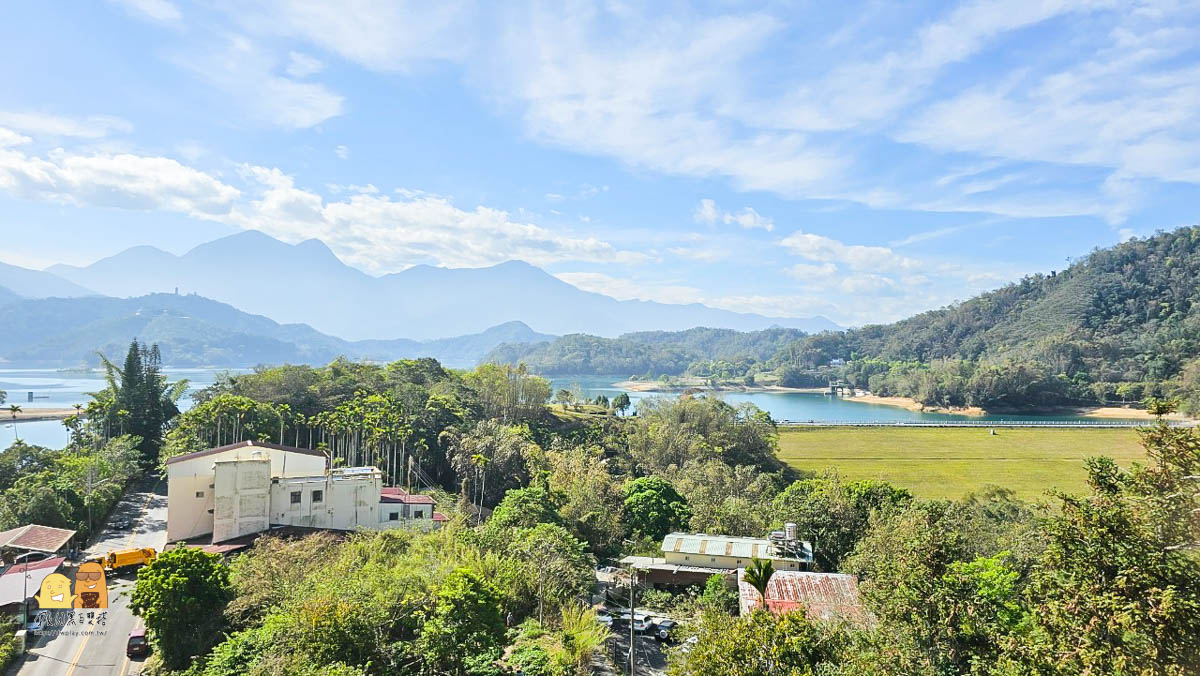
pixel 192 330
pixel 700 351
pixel 1116 325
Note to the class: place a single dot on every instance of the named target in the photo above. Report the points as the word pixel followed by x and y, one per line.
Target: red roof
pixel 824 596
pixel 395 494
pixel 438 516
pixel 36 538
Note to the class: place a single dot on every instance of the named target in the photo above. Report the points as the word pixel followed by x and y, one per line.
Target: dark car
pixel 137 646
pixel 665 629
pixel 120 524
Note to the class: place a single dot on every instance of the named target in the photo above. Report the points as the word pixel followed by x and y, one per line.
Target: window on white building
pixel 318 496
pixel 199 494
pixel 394 516
pixel 295 497
pixel 418 514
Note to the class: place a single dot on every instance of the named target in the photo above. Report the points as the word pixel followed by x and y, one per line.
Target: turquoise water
pixel 63 389
pixel 52 388
pixel 802 406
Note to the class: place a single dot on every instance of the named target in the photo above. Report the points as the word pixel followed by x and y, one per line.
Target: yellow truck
pixel 126 558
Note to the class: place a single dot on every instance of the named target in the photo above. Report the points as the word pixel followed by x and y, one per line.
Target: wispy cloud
pixel 45 124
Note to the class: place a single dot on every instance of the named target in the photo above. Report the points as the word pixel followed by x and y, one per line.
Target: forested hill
pixel 699 351
pixel 192 330
pixel 1116 325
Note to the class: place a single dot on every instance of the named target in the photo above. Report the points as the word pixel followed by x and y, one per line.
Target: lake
pixel 802 406
pixel 63 389
pixel 52 388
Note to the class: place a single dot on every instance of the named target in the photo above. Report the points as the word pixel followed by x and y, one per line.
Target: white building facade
pixel 251 487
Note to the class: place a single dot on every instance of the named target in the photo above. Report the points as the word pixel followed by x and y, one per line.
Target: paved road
pixel 102 652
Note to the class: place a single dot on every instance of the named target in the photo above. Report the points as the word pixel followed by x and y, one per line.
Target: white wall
pixel 190 487
pixel 241 498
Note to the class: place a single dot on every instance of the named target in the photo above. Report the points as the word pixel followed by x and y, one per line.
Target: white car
pixel 642 623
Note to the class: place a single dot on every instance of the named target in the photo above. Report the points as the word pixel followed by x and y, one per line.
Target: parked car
pixel 642 623
pixel 137 645
pixel 119 524
pixel 604 617
pixel 664 629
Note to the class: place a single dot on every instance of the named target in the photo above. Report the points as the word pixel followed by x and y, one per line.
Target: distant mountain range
pixel 307 283
pixel 196 331
pixel 38 284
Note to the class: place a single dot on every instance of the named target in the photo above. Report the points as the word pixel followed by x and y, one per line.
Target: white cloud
pixel 302 65
pixel 41 124
pixel 122 181
pixel 158 10
pixel 342 152
pixel 748 218
pixel 390 36
pixel 630 289
pixel 856 256
pixel 9 138
pixel 806 272
pixel 247 73
pixel 382 234
pixel 707 212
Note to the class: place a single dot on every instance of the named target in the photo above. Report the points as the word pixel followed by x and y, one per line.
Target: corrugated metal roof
pixel 824 596
pixel 13 583
pixel 728 545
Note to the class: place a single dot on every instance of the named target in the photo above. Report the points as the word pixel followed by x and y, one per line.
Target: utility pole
pixel 632 636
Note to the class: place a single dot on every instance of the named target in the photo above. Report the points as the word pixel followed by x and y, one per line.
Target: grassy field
pixel 949 462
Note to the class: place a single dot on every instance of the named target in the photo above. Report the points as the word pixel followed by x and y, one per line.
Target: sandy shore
pixel 659 386
pixel 35 414
pixel 913 405
pixel 1104 412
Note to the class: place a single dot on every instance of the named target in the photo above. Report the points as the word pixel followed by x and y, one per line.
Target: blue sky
pixel 863 161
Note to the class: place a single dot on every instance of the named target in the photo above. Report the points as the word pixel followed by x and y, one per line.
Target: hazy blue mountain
pixel 7 297
pixel 38 283
pixel 307 283
pixel 196 331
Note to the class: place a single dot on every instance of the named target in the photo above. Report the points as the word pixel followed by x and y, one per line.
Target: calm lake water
pixel 63 389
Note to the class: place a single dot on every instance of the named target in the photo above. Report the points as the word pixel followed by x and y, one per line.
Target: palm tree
pixel 758 575
pixel 14 410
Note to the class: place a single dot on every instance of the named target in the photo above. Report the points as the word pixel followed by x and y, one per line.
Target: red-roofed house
pixel 36 538
pixel 823 596
pixel 397 504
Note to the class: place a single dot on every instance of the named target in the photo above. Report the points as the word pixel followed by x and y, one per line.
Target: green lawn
pixel 949 462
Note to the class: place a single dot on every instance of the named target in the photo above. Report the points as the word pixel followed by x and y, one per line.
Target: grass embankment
pixel 949 462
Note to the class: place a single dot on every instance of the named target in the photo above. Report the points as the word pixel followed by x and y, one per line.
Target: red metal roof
pixel 438 516
pixel 824 596
pixel 395 494
pixel 36 538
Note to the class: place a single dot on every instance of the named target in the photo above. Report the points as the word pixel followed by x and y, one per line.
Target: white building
pixel 251 486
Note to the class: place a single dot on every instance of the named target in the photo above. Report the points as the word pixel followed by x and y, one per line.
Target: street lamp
pixel 25 589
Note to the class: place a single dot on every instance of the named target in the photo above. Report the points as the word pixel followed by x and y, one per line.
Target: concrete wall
pixel 347 502
pixel 190 485
pixel 241 498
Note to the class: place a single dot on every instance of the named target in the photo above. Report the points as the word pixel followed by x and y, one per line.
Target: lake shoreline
pixel 37 414
pixel 1098 412
pixel 657 386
